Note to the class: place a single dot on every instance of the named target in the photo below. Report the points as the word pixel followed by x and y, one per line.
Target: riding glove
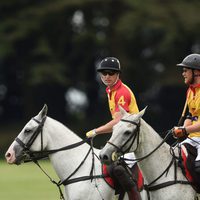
pixel 91 133
pixel 179 131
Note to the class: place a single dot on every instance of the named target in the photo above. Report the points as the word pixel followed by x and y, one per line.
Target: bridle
pixel 26 147
pixel 38 155
pixel 133 136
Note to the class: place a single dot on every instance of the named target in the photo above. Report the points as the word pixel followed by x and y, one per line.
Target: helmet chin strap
pixel 193 75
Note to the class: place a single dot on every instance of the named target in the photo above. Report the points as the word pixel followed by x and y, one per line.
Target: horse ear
pixel 141 113
pixel 43 112
pixel 122 110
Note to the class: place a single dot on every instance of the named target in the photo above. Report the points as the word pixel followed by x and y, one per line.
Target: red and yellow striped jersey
pixel 121 95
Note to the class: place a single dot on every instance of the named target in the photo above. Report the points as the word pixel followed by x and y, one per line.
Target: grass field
pixel 27 182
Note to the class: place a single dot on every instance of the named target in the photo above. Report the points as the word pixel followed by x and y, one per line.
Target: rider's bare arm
pixel 107 128
pixel 193 128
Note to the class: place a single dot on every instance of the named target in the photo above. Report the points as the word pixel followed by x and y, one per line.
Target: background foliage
pixel 49 51
pixel 49 48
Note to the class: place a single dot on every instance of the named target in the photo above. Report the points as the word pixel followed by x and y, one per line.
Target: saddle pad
pixel 137 175
pixel 107 178
pixel 140 180
pixel 184 155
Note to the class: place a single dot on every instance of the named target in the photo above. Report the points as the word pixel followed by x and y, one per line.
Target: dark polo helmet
pixel 109 63
pixel 191 61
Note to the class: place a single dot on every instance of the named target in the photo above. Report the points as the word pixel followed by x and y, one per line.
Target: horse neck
pixel 157 162
pixel 58 135
pixel 64 162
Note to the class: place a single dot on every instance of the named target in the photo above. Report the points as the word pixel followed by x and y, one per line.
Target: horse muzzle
pixel 14 158
pixel 108 158
pixel 10 157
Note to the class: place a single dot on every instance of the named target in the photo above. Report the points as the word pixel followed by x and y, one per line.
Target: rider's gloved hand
pixel 91 133
pixel 179 132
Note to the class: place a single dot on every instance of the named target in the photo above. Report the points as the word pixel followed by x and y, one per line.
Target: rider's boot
pixel 197 166
pixel 134 194
pixel 126 181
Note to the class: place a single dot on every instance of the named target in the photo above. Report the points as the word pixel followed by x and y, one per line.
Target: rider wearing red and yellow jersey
pixel 191 126
pixel 118 94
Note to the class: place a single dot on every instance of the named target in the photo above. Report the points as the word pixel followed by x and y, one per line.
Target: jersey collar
pixel 193 87
pixel 115 87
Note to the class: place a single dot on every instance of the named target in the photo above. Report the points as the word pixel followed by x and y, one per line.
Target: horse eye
pixel 127 133
pixel 27 131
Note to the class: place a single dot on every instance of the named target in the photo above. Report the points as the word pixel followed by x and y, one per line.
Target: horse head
pixel 29 139
pixel 125 137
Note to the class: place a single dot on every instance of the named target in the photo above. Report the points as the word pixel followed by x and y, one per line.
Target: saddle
pixel 113 182
pixel 188 154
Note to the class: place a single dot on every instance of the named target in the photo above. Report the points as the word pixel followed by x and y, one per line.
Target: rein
pixel 38 155
pixel 34 156
pixel 70 180
pixel 162 142
pixel 150 186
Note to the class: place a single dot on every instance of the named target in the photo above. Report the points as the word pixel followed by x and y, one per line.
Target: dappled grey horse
pixel 164 180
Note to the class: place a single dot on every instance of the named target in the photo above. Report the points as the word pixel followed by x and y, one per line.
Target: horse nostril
pixel 7 155
pixel 105 157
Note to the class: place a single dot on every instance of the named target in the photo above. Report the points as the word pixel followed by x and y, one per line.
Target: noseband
pixel 132 138
pixel 26 147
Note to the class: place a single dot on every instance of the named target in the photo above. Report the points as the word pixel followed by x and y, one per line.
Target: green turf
pixel 27 182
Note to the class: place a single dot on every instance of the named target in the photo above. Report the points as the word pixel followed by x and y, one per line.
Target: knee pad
pixel 124 178
pixel 119 171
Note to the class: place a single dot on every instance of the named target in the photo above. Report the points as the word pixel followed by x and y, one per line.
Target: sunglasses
pixel 110 73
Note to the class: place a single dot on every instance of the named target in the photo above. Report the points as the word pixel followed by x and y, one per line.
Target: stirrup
pixel 116 197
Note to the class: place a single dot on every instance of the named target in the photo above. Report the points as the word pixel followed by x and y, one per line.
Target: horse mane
pixel 59 125
pixel 149 131
pixel 149 128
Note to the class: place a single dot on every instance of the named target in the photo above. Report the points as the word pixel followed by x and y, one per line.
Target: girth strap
pixel 162 185
pixel 165 184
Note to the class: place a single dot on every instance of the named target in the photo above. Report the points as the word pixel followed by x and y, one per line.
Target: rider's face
pixel 187 75
pixel 109 77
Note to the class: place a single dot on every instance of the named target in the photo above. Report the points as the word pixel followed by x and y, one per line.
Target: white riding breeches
pixel 195 142
pixel 130 156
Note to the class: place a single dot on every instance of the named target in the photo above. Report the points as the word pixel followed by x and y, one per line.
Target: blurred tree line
pixel 49 51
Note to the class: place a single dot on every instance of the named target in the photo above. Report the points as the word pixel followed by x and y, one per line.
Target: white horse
pixel 46 135
pixel 164 180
